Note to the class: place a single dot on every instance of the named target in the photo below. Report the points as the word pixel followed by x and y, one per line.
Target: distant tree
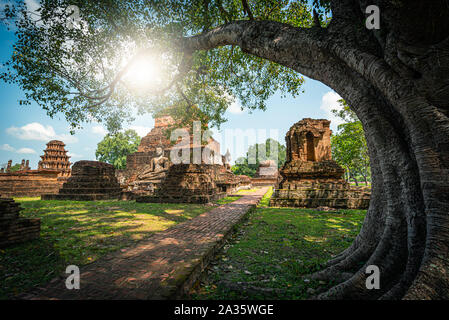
pixel 265 151
pixel 114 148
pixel 15 167
pixel 258 153
pixel 241 167
pixel 349 147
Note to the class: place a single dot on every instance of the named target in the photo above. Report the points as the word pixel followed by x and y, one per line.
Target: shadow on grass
pixel 272 254
pixel 77 233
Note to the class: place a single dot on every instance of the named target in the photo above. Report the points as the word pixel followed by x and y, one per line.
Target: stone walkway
pixel 164 266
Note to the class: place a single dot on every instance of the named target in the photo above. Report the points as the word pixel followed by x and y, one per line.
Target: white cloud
pixel 26 151
pixel 36 131
pixel 7 147
pixel 329 102
pixel 235 107
pixel 141 130
pixel 99 130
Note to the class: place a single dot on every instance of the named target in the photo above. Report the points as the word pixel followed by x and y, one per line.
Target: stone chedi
pixel 90 181
pixel 53 170
pixel 14 229
pixel 267 174
pixel 309 177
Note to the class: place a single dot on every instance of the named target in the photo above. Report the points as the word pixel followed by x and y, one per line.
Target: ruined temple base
pixel 264 182
pixel 200 199
pixel 90 181
pixel 327 193
pixel 189 183
pixel 14 229
pixel 32 183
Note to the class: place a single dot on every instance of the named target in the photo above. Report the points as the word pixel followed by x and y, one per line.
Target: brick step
pixel 181 198
pixel 81 197
pixel 89 190
pixel 359 203
pixel 318 193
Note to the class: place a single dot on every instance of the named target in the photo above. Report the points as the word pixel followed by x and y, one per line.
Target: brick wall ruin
pixel 53 170
pixel 310 178
pixel 14 229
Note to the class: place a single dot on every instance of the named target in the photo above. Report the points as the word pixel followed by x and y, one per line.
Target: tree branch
pixel 247 10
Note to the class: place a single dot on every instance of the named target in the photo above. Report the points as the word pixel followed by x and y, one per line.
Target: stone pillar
pixel 8 168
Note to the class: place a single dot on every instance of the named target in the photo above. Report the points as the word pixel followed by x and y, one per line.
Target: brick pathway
pixel 164 266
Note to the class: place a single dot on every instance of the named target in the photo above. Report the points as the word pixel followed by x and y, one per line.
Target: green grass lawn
pixel 271 254
pixel 226 200
pixel 79 232
pixel 246 191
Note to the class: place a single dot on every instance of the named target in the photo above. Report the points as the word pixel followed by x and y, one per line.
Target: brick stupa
pixel 90 181
pixel 310 178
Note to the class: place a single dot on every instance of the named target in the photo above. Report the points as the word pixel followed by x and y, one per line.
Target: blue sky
pixel 24 130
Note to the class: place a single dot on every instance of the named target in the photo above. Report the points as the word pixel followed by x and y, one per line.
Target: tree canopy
pixel 72 57
pixel 114 148
pixel 257 153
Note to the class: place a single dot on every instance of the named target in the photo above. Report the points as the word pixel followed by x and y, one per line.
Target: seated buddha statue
pixel 157 167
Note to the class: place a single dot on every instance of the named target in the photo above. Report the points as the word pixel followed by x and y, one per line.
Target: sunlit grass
pixel 276 249
pixel 246 191
pixel 80 232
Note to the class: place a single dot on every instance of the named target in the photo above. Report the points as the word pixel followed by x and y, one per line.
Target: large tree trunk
pixel 400 93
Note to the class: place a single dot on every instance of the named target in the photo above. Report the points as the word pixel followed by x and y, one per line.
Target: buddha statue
pixel 152 174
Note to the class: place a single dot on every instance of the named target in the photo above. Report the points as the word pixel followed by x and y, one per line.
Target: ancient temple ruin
pixel 90 181
pixel 53 170
pixel 13 228
pixel 267 174
pixel 55 158
pixel 150 169
pixel 310 178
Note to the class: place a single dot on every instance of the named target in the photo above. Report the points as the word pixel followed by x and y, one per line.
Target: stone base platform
pixel 182 198
pixel 32 183
pixel 259 182
pixel 189 183
pixel 338 195
pixel 81 197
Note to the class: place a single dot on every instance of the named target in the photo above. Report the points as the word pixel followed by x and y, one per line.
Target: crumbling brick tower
pixel 309 177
